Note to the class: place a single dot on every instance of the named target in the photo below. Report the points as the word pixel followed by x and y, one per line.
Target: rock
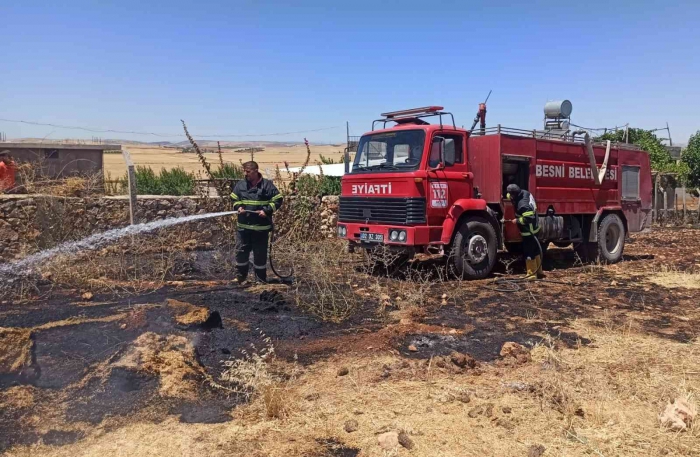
pixel 462 360
pixel 388 440
pixel 87 296
pixel 312 397
pixel 486 410
pixel 506 409
pixel 351 426
pixel 536 450
pixel 7 234
pixel 464 397
pixel 412 348
pixel 343 371
pixel 505 423
pixel 511 350
pixel 678 415
pixel 405 440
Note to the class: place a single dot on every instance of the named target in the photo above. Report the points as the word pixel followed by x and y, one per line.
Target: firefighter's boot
pixel 531 267
pixel 538 267
pixel 261 273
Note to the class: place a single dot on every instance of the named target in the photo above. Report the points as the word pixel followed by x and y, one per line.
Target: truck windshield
pixel 397 151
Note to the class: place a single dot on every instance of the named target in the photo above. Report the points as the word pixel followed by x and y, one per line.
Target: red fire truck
pixel 417 187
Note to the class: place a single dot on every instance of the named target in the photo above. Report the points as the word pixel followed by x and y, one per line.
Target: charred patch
pixel 122 393
pixel 61 437
pixel 334 448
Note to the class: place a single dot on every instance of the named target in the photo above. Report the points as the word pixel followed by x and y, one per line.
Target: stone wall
pixel 29 223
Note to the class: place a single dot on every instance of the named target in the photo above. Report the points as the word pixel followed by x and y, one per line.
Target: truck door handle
pixel 468 175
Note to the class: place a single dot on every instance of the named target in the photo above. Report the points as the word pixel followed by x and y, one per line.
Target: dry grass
pixel 172 358
pixel 187 314
pixel 15 349
pixel 676 279
pixel 17 397
pixel 598 400
pixel 133 265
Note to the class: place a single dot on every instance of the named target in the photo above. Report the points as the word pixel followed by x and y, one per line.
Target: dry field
pixel 158 158
pixel 398 367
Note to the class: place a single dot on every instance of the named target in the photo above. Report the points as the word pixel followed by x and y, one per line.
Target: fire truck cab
pixel 435 188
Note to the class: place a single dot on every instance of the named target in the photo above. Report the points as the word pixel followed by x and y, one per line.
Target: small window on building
pixel 630 183
pixel 51 153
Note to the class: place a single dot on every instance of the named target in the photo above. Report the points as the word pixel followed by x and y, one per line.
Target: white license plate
pixel 378 237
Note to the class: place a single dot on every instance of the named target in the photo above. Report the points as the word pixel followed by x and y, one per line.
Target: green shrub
pixel 169 182
pixel 228 171
pixel 310 185
pixel 147 183
pixel 176 182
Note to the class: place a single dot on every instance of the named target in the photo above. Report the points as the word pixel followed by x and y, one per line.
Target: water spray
pixel 97 240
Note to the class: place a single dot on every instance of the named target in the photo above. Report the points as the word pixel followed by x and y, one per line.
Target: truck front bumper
pixel 414 236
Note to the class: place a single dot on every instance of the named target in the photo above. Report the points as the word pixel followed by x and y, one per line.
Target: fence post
pixel 131 175
pixel 656 197
pixel 684 203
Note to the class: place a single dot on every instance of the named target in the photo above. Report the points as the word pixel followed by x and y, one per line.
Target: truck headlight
pixel 402 235
pixel 342 231
pixel 393 235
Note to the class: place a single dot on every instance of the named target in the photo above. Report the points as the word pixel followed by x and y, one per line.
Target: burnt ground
pixel 74 343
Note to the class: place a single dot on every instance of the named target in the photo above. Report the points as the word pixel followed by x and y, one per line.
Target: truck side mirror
pixel 448 148
pixel 438 145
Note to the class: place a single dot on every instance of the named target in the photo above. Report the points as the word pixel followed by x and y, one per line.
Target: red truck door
pixel 450 183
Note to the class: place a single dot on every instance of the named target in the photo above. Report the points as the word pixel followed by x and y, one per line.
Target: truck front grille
pixel 394 211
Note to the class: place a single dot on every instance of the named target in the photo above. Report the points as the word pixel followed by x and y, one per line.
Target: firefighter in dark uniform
pixel 255 199
pixel 527 221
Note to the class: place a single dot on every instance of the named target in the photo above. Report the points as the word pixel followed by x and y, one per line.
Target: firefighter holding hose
pixel 255 198
pixel 527 221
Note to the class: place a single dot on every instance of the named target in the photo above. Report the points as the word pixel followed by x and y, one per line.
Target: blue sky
pixel 256 67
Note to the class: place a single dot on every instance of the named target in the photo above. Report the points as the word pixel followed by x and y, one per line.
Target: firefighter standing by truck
pixel 527 221
pixel 255 199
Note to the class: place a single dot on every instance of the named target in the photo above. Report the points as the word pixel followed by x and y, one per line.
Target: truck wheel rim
pixel 477 249
pixel 612 238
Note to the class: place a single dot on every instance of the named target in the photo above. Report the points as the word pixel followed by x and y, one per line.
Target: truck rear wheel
pixel 611 239
pixel 610 244
pixel 474 249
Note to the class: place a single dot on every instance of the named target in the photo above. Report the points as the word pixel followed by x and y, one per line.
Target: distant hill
pixel 179 144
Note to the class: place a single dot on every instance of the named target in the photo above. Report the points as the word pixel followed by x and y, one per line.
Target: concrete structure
pixel 336 169
pixel 60 160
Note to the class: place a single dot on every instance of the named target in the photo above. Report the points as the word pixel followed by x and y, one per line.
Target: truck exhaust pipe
pixel 598 175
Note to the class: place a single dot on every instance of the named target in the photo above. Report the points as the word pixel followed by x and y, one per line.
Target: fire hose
pixel 284 277
pixel 513 284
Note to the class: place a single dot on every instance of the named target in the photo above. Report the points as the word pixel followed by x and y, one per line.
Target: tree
pixel 691 159
pixel 660 158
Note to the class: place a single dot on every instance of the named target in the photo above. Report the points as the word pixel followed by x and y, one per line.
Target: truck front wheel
pixel 474 249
